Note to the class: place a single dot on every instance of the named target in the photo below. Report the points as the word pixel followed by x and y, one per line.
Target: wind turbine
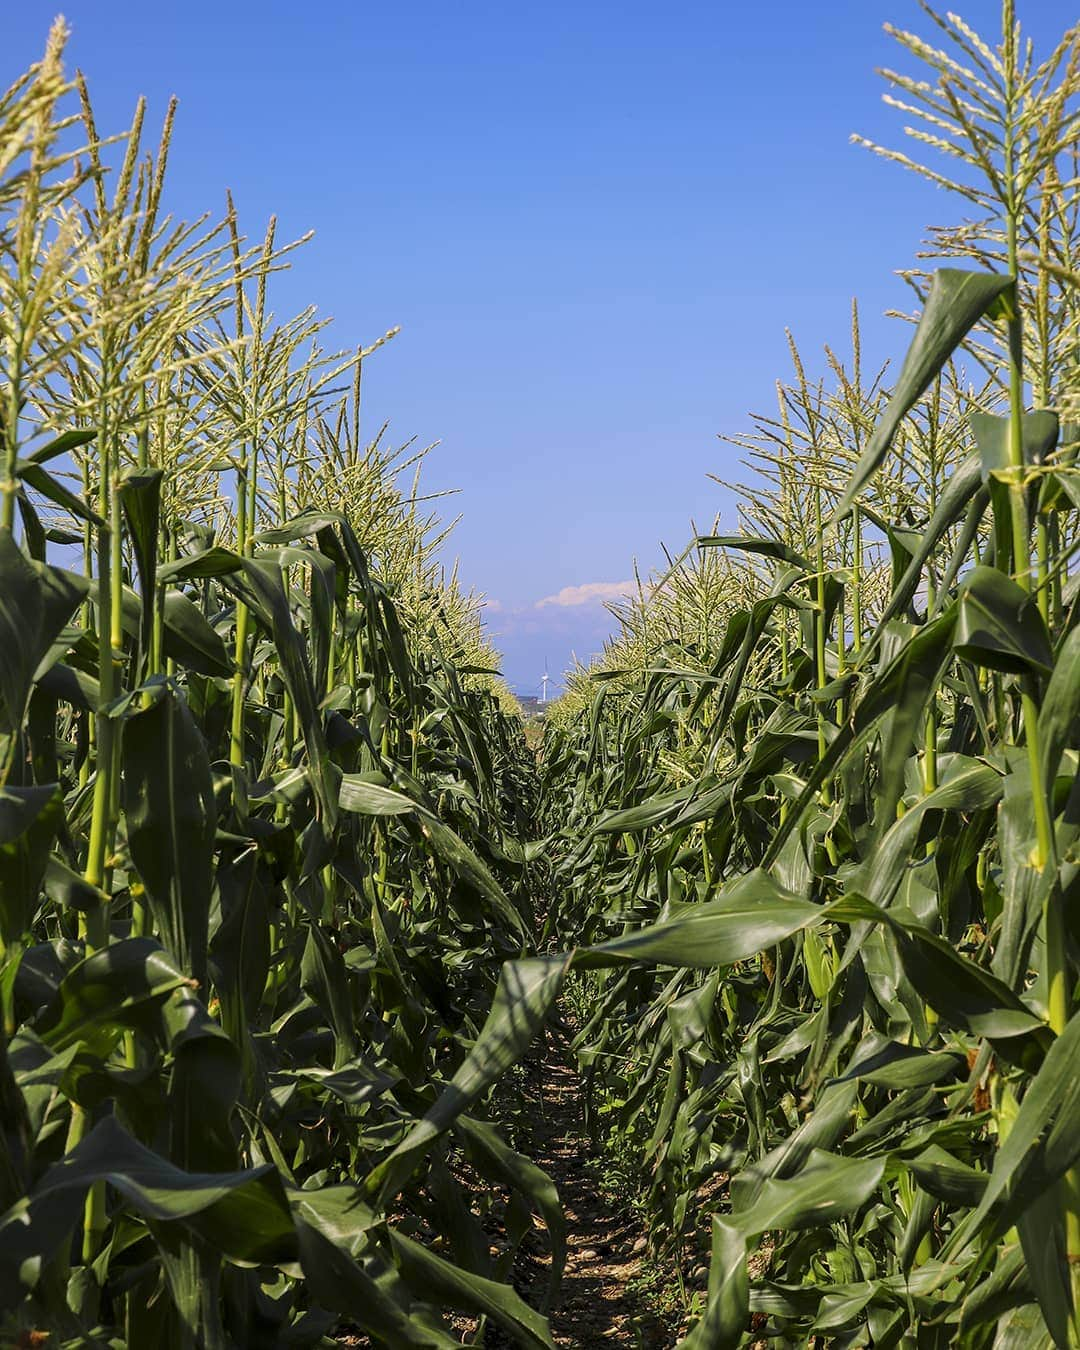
pixel 544 680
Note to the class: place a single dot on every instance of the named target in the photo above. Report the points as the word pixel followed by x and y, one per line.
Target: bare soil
pixel 600 1302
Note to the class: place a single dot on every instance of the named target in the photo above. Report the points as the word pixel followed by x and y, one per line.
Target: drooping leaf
pixel 965 994
pixel 263 589
pixel 424 1270
pixel 62 444
pixel 753 913
pixel 484 1144
pixel 768 548
pixel 526 992
pixel 107 992
pixel 371 1298
pixel 30 818
pixel 372 799
pixel 826 1188
pixel 36 601
pixel 190 640
pixel 957 300
pixel 999 626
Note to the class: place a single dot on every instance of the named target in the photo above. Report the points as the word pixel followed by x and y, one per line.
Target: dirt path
pixel 604 1300
pixel 598 1304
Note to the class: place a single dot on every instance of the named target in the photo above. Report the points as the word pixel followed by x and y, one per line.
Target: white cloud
pixel 591 592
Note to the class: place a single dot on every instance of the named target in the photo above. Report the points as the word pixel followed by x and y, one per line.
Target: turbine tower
pixel 544 679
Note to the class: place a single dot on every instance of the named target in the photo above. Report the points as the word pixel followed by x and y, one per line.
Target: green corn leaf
pixel 34 476
pixel 957 300
pixel 983 1305
pixel 826 1188
pixel 822 1129
pixel 115 988
pixel 244 1215
pixel 892 1065
pixel 967 785
pixel 340 1213
pixel 373 1298
pixel 30 819
pixel 945 1177
pixel 72 685
pixel 1043 1142
pixel 324 978
pixel 465 862
pixel 168 798
pixel 429 1273
pixel 60 445
pixel 1041 1229
pixel 768 548
pixel 263 589
pixel 36 601
pixel 916 667
pixel 70 889
pixel 497 1160
pixel 210 562
pixel 999 627
pixel 753 913
pixel 1059 715
pixel 190 640
pixel 140 496
pixel 526 992
pixel 964 994
pixel 204 1086
pixel 645 814
pixel 372 799
pixel 723 1324
pixel 1024 890
pixel 36 536
pixel 365 796
pixel 993 433
pixel 240 948
pixel 961 493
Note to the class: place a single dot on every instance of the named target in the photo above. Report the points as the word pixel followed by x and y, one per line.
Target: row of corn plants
pixel 262 801
pixel 824 789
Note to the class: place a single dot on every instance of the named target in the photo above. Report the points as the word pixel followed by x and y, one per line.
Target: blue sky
pixel 592 220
